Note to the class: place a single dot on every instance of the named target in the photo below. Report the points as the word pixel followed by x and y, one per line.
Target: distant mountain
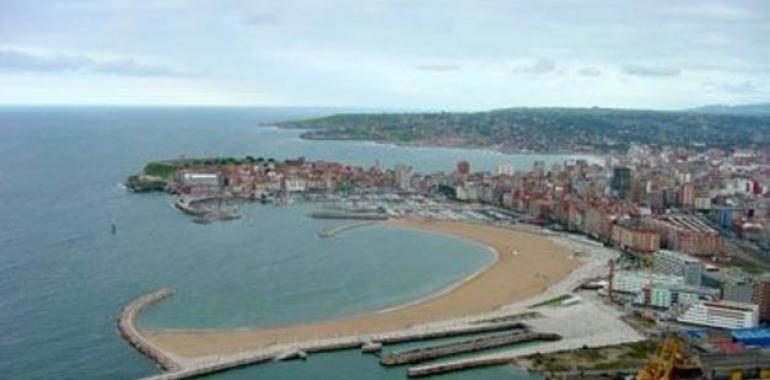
pixel 759 109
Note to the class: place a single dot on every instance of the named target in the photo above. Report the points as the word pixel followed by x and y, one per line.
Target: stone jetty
pixel 127 328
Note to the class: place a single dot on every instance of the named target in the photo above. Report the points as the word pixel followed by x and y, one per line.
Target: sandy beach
pixel 526 265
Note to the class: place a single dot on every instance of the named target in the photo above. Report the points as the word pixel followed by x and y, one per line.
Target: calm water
pixel 64 277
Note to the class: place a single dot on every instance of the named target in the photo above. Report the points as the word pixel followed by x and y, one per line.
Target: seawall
pixel 127 328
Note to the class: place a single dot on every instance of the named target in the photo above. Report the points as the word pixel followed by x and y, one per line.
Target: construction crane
pixel 661 366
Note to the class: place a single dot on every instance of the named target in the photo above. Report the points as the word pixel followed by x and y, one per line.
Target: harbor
pixel 548 329
pixel 177 368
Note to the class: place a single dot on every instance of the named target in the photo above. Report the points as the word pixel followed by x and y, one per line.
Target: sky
pixel 398 54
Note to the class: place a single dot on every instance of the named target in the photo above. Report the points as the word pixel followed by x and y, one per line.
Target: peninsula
pixel 593 130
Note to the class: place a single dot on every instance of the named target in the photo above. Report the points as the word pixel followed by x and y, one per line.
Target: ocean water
pixel 64 276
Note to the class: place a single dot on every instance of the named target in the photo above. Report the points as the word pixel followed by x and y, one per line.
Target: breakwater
pixel 209 365
pixel 331 231
pixel 334 214
pixel 127 328
pixel 477 344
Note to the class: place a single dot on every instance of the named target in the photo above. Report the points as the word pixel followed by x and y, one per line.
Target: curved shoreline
pixel 526 265
pixel 451 287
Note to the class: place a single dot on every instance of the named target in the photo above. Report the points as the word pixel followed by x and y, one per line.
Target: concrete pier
pixel 451 332
pixel 472 345
pixel 211 365
pixel 127 327
pixel 437 369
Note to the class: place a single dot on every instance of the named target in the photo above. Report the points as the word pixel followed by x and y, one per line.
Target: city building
pixel 201 179
pixel 403 177
pixel 463 167
pixel 753 337
pixel 635 239
pixel 506 169
pixel 686 233
pixel 762 297
pixel 679 264
pixel 738 291
pixel 635 281
pixel 665 296
pixel 722 314
pixel 621 182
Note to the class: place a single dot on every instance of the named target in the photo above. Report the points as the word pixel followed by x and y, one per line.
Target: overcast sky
pixel 407 54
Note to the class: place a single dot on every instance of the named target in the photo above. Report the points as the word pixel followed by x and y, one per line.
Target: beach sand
pixel 526 265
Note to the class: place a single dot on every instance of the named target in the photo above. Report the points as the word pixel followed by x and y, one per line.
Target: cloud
pixel 651 71
pixel 590 72
pixel 439 67
pixel 539 67
pixel 14 60
pixel 745 87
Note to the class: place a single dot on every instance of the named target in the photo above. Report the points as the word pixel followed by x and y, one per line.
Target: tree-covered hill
pixel 546 129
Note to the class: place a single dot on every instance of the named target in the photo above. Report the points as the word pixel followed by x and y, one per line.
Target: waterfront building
pixel 686 233
pixel 201 179
pixel 679 264
pixel 722 314
pixel 635 239
pixel 294 184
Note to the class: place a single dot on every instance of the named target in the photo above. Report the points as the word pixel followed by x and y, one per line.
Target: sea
pixel 64 275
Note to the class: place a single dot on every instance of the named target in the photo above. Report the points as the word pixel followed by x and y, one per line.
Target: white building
pixel 295 184
pixel 506 169
pixel 201 179
pixel 723 314
pixel 403 177
pixel 702 203
pixel 660 290
pixel 635 281
pixel 679 264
